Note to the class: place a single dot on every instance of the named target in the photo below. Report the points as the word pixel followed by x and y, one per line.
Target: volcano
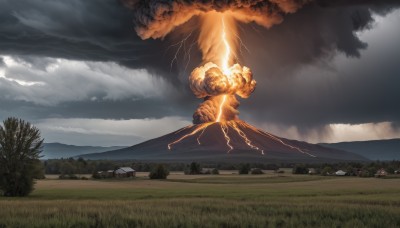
pixel 231 142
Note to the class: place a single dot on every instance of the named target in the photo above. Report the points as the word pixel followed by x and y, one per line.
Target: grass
pixel 208 201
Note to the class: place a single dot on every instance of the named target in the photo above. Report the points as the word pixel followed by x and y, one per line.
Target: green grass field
pixel 227 200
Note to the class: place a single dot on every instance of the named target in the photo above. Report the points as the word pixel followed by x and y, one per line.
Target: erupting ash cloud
pixel 156 18
pixel 220 79
pixel 209 80
pixel 211 83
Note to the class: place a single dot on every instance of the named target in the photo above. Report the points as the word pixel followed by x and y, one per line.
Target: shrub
pixel 326 171
pixel 244 169
pixel 215 171
pixel 300 169
pixel 160 172
pixel 194 169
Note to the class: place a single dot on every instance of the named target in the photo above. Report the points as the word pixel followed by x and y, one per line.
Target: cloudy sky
pixel 78 71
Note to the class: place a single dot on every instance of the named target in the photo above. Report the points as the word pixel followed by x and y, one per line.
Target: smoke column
pixel 219 79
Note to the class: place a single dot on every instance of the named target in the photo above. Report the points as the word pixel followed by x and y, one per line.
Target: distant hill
pixel 373 150
pixel 58 150
pixel 233 141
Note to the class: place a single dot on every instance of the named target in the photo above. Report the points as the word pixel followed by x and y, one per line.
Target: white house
pixel 340 173
pixel 125 172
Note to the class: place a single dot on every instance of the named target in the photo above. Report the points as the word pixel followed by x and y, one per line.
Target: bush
pixel 194 169
pixel 244 169
pixel 160 172
pixel 256 171
pixel 215 171
pixel 327 170
pixel 300 169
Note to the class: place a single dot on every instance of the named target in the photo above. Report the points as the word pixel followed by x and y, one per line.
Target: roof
pixel 340 172
pixel 125 169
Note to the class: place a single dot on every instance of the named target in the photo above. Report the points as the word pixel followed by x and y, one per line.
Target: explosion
pixel 221 78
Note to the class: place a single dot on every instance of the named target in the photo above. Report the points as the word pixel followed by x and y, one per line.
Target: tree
pixel 194 169
pixel 300 169
pixel 20 147
pixel 244 169
pixel 327 170
pixel 215 171
pixel 160 172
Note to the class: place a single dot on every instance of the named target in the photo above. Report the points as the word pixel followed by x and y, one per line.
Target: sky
pixel 79 72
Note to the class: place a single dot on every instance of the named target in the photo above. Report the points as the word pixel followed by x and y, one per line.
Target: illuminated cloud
pixel 53 81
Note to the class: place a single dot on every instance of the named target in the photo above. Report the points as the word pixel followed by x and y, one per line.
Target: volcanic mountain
pixel 232 141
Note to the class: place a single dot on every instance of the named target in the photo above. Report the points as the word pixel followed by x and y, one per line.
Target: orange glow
pixel 276 139
pixel 244 137
pixel 199 128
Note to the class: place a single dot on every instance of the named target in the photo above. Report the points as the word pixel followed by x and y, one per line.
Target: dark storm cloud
pixel 305 85
pixel 77 29
pixel 104 31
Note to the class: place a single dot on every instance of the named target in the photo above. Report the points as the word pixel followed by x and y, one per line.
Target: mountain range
pixel 157 149
pixel 58 150
pixel 374 150
pixel 232 141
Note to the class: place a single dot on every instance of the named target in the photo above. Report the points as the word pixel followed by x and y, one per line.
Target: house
pixel 312 171
pixel 381 173
pixel 110 173
pixel 105 174
pixel 125 172
pixel 340 173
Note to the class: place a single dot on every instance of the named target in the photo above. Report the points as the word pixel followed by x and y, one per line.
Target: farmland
pixel 226 200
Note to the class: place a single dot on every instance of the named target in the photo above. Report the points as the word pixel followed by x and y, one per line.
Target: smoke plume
pixel 217 84
pixel 156 18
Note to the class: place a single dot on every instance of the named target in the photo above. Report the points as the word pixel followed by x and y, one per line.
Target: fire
pixel 219 84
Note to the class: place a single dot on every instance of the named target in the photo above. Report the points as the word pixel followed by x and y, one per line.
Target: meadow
pixel 226 200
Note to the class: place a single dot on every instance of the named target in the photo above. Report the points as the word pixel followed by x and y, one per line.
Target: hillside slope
pixel 233 141
pixel 374 150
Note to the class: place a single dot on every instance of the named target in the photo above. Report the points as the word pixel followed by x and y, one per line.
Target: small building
pixel 397 172
pixel 110 173
pixel 340 173
pixel 312 171
pixel 125 172
pixel 381 173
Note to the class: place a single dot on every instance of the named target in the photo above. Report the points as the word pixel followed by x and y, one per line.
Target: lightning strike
pixel 244 137
pixel 224 129
pixel 220 110
pixel 198 128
